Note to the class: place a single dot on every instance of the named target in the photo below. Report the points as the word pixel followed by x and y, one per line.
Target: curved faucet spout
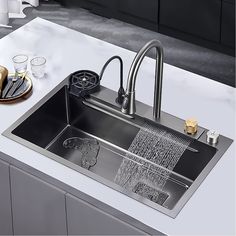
pixel 128 105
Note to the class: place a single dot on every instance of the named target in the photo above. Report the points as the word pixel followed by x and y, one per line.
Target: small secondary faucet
pixel 128 106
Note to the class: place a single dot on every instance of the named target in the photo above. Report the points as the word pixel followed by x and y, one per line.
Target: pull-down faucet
pixel 128 106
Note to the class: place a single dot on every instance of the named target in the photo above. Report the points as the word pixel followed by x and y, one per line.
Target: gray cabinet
pixel 197 17
pixel 228 24
pixel 143 13
pixel 86 219
pixel 102 7
pixel 38 207
pixel 209 23
pixel 31 206
pixel 141 9
pixel 104 3
pixel 5 200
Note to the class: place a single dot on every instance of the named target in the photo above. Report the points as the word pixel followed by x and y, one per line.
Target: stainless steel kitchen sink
pixel 83 135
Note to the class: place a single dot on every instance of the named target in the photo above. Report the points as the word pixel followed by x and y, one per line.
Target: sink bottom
pixel 109 160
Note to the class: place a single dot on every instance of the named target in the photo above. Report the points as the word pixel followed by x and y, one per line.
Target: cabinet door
pixel 104 3
pixel 197 17
pixel 229 1
pixel 5 200
pixel 86 219
pixel 142 9
pixel 38 207
pixel 102 7
pixel 228 24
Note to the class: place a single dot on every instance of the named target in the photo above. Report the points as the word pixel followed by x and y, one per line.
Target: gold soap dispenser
pixel 191 126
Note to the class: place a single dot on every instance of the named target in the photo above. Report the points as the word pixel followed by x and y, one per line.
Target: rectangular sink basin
pixel 146 160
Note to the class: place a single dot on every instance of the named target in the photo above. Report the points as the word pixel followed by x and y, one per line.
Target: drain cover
pixel 151 193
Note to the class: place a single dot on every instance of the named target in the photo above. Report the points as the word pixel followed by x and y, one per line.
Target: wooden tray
pixel 22 93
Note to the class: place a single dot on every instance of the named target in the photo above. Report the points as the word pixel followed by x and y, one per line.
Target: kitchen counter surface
pixel 211 210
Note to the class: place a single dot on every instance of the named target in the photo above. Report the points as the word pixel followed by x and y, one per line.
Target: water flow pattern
pixel 158 146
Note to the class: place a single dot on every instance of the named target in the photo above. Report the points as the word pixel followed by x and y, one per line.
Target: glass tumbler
pixel 38 65
pixel 20 63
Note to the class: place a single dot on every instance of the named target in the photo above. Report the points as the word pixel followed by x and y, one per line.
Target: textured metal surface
pixel 116 132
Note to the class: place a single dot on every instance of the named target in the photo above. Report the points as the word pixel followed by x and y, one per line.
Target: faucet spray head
pixel 121 94
pixel 128 105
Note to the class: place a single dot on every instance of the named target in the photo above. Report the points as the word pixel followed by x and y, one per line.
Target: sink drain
pixel 150 193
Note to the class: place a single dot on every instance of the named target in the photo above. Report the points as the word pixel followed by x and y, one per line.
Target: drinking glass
pixel 20 63
pixel 38 65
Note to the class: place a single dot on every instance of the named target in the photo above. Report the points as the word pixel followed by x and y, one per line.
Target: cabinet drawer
pixel 86 219
pixel 143 9
pixel 5 200
pixel 228 24
pixel 229 1
pixel 197 17
pixel 38 207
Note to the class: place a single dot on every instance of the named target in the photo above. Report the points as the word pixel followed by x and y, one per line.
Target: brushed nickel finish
pixel 212 137
pixel 129 106
pixel 115 132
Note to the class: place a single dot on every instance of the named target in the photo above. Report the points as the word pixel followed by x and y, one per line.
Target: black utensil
pixel 9 86
pixel 16 85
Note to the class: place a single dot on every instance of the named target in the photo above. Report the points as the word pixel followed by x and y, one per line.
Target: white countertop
pixel 211 210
